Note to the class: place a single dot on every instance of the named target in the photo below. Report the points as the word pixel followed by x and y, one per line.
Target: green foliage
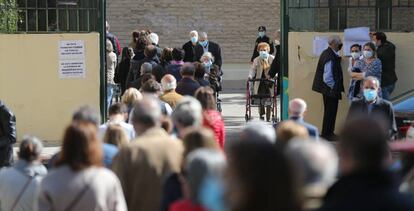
pixel 8 16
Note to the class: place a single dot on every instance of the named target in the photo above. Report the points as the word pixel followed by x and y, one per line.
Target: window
pixel 336 15
pixel 54 15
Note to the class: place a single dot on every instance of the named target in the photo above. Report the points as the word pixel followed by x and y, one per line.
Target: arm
pixel 328 75
pixel 255 53
pixel 253 70
pixel 272 47
pixel 8 124
pixel 393 124
pixel 218 57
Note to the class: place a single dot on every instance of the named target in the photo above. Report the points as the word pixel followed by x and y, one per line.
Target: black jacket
pixel 386 53
pixel 366 191
pixel 275 68
pixel 187 86
pixel 134 70
pixel 7 135
pixel 259 40
pixel 381 108
pixel 189 50
pixel 318 83
pixel 213 48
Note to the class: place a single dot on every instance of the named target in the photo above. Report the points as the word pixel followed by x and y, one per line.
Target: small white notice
pixel 320 43
pixel 72 59
pixel 72 69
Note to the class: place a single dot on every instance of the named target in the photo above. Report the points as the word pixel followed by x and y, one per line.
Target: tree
pixel 8 16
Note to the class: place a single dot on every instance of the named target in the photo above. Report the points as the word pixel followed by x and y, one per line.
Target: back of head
pixel 86 114
pixel 146 67
pixel 317 160
pixel 259 130
pixel 81 148
pixel 188 112
pixel 147 112
pixel 115 135
pixel 260 177
pixel 153 37
pixel 151 86
pixel 364 143
pixel 30 148
pixel 188 69
pixel 178 54
pixel 287 130
pixel 150 51
pixel 117 108
pixel 200 165
pixel 381 36
pixel 146 77
pixel 168 82
pixel 297 107
pixel 141 43
pixel 197 138
pixel 199 70
pixel 130 96
pixel 206 97
pixel 166 55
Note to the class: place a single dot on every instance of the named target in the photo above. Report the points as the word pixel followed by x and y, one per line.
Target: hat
pixel 261 28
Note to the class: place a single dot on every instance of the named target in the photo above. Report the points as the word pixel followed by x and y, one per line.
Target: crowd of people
pixel 163 147
pixel 373 78
pixel 146 159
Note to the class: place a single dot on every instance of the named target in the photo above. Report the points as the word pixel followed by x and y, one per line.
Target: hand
pixel 357 76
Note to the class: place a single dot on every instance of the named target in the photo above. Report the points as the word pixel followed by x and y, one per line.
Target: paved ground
pixel 233 103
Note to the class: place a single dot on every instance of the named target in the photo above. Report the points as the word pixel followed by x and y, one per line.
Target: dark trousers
pixel 329 115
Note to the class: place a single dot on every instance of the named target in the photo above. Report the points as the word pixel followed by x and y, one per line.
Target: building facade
pixel 231 23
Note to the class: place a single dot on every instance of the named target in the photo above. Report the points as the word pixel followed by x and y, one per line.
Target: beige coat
pixel 172 98
pixel 143 165
pixel 257 70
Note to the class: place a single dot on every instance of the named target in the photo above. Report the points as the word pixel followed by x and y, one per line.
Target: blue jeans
pixel 387 90
pixel 109 94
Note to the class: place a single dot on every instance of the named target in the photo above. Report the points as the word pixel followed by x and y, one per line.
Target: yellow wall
pixel 30 84
pixel 302 66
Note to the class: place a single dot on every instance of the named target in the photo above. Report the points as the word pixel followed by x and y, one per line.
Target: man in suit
pixel 143 165
pixel 297 110
pixel 7 135
pixel 371 104
pixel 204 45
pixel 189 47
pixel 187 85
pixel 329 82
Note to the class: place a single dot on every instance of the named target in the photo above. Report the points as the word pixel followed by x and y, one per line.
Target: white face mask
pixel 356 55
pixel 368 54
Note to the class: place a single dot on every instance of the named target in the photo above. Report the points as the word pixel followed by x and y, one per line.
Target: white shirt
pixel 128 128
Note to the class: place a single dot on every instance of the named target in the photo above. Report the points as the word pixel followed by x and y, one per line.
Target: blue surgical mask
pixel 370 94
pixel 368 54
pixel 194 39
pixel 212 194
pixel 262 34
pixel 207 64
pixel 263 54
pixel 203 43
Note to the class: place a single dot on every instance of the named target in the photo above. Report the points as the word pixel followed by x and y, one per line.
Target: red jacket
pixel 185 205
pixel 214 121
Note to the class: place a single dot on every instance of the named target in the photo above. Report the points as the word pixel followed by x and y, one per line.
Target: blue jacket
pixel 187 86
pixel 312 130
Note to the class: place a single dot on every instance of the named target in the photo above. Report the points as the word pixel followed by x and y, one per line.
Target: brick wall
pixel 231 23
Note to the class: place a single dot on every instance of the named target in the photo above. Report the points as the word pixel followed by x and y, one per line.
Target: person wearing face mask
pixel 354 85
pixel 372 104
pixel 212 71
pixel 189 47
pixel 260 70
pixel 205 45
pixel 261 38
pixel 329 82
pixel 369 65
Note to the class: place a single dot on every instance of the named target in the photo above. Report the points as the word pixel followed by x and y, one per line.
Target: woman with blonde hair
pixel 115 138
pixel 131 96
pixel 260 70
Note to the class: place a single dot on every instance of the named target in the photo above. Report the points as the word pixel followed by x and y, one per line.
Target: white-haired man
pixel 373 105
pixel 205 45
pixel 189 47
pixel 154 39
pixel 187 114
pixel 329 82
pixel 297 111
pixel 170 96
